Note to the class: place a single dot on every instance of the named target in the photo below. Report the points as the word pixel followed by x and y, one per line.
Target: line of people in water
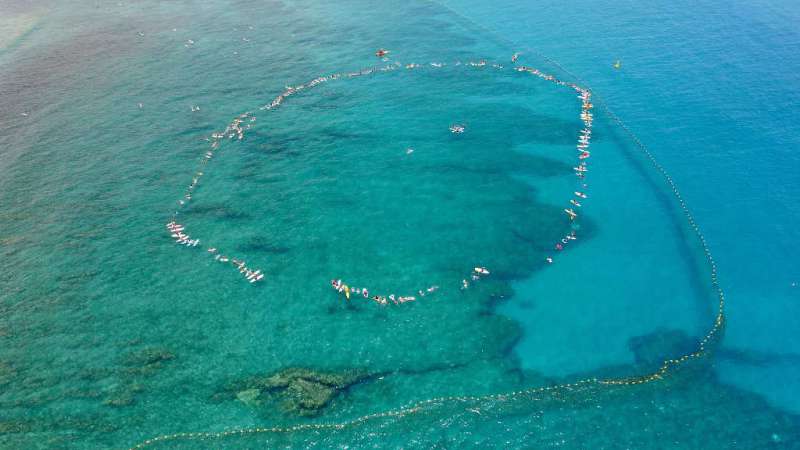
pixel 581 169
pixel 236 129
pixel 476 275
pixel 348 292
pixel 249 274
pixel 584 154
pixel 177 232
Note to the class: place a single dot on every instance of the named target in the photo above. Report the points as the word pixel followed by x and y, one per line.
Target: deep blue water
pixel 110 334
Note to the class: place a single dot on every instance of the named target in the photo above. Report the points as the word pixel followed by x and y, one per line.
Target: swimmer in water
pixel 549 260
pixel 456 129
pixel 572 215
pixel 381 53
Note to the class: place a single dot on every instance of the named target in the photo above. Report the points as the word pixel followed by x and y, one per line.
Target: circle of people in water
pixel 236 131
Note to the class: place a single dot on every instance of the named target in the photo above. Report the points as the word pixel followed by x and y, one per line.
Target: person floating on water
pixel 481 270
pixel 381 52
pixel 455 128
pixel 617 64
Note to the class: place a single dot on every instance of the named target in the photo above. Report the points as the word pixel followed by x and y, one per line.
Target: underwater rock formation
pixel 124 395
pixel 147 360
pixel 299 390
pixel 7 373
pixel 137 364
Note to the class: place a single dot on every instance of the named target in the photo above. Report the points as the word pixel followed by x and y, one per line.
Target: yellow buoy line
pixel 666 367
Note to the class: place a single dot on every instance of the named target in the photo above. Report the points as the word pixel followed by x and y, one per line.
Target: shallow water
pixel 111 334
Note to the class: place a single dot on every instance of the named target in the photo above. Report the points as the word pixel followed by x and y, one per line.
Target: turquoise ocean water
pixel 110 334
